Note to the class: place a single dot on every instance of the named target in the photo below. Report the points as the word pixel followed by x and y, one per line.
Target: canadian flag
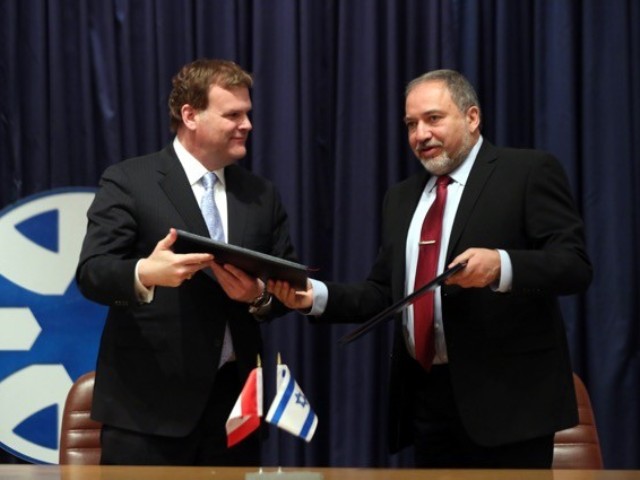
pixel 246 413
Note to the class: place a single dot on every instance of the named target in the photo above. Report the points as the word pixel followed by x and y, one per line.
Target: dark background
pixel 84 84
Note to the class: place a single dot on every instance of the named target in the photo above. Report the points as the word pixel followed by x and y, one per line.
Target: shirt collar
pixel 192 166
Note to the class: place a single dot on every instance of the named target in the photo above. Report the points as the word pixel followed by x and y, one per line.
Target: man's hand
pixel 294 299
pixel 236 283
pixel 483 268
pixel 164 268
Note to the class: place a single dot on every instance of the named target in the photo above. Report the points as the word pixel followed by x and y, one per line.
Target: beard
pixel 440 165
pixel 444 163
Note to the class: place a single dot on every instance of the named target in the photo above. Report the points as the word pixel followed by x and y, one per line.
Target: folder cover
pixel 255 263
pixel 399 305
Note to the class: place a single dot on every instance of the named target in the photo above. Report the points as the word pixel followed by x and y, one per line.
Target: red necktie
pixel 425 272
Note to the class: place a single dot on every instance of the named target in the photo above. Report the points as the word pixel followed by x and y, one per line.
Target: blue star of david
pixel 301 400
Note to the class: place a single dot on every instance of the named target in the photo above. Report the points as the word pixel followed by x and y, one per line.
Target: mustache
pixel 428 144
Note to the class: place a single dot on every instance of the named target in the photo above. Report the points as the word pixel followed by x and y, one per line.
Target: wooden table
pixel 71 472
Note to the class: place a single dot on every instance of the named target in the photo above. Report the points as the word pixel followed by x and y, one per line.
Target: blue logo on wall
pixel 49 333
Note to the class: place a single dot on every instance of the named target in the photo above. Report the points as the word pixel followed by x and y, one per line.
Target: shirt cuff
pixel 320 298
pixel 144 294
pixel 506 274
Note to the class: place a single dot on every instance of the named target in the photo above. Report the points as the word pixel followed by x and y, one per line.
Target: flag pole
pixel 259 364
pixel 279 362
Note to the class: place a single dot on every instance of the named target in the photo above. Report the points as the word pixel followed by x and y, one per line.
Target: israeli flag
pixel 290 409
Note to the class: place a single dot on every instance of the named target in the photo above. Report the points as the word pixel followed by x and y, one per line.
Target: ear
pixel 473 118
pixel 189 115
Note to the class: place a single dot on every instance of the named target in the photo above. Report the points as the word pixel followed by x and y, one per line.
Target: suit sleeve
pixel 556 260
pixel 105 272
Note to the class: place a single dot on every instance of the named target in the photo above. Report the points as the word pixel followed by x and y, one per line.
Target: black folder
pixel 399 305
pixel 255 263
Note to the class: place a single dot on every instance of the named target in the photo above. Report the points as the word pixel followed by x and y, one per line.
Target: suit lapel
pixel 476 183
pixel 237 211
pixel 409 198
pixel 176 186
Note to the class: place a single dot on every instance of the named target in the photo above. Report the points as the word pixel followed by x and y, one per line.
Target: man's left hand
pixel 483 268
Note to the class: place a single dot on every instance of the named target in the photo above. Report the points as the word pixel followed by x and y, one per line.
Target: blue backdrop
pixel 84 84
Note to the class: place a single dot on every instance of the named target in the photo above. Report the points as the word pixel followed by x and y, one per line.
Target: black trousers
pixel 442 442
pixel 205 446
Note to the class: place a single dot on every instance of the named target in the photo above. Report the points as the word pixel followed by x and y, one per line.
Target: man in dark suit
pixel 182 332
pixel 499 381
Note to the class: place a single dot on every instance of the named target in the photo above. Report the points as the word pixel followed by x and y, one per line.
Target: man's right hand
pixel 164 268
pixel 291 298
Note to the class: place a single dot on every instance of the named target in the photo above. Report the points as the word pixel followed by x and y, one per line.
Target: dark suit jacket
pixel 508 353
pixel 157 362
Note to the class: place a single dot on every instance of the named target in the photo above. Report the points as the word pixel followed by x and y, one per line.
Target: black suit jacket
pixel 508 353
pixel 157 362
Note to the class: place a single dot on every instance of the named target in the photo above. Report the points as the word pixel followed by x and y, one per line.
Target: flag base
pixel 281 475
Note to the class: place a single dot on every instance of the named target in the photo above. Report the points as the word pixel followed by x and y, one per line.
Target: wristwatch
pixel 260 304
